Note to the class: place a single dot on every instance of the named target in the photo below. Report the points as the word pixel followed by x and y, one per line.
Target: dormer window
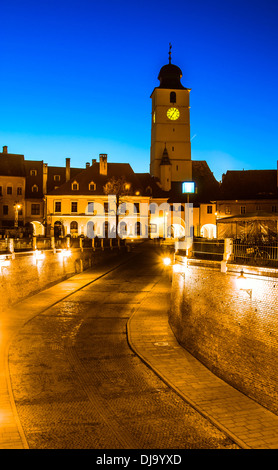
pixel 75 186
pixel 92 186
pixel 33 172
pixel 35 188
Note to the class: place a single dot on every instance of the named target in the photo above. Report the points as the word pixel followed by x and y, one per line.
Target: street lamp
pixel 17 208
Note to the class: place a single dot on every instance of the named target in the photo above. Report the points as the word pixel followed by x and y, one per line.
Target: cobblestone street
pixel 77 383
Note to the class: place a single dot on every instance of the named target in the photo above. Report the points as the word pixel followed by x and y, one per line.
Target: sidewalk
pixel 149 335
pixel 248 424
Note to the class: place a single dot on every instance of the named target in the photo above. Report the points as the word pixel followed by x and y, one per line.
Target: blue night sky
pixel 76 79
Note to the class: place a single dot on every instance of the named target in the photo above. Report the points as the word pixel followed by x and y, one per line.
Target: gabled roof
pixel 11 165
pixel 61 171
pixel 249 184
pixel 92 174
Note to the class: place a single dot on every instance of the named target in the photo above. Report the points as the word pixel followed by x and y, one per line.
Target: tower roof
pixel 170 76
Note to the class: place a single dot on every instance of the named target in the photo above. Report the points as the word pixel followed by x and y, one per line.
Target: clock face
pixel 173 114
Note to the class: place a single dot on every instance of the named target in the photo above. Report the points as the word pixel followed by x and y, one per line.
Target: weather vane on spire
pixel 170 48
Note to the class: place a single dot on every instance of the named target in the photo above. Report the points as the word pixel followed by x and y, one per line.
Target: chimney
pixel 5 149
pixel 67 169
pixel 87 165
pixel 103 163
pixel 44 178
pixel 94 161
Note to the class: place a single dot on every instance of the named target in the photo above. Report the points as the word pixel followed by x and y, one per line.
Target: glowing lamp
pixel 167 261
pixel 242 284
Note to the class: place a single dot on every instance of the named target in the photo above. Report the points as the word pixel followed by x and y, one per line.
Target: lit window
pixel 35 188
pixel 227 210
pixel 33 172
pixel 56 177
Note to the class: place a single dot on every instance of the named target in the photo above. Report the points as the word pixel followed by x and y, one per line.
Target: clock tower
pixel 170 126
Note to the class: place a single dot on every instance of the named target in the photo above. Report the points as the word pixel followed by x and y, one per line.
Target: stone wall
pixel 233 334
pixel 24 276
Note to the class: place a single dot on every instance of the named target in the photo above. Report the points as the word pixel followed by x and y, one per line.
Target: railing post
pixel 11 247
pixel 34 243
pixel 228 249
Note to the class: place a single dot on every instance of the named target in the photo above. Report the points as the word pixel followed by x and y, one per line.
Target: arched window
pixel 90 229
pixel 173 97
pixel 73 228
pixel 35 188
pixel 122 229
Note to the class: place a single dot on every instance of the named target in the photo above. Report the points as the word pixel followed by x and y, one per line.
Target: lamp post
pixel 17 208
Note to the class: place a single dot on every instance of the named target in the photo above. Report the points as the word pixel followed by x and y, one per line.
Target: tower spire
pixel 170 48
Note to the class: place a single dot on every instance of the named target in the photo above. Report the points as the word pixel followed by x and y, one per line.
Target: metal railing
pixel 262 254
pixel 203 248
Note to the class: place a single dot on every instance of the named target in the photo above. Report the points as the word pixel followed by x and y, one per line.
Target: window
pixel 274 208
pixel 122 208
pixel 75 186
pixel 35 209
pixel 19 191
pixel 209 209
pixel 74 228
pixel 136 207
pixel 33 172
pixel 9 190
pixel 177 167
pixel 90 208
pixel 173 97
pixel 106 207
pixel 56 177
pixel 35 188
pixel 57 206
pixel 173 148
pixel 1 191
pixel 92 186
pixel 242 209
pixel 227 210
pixel 5 210
pixel 74 207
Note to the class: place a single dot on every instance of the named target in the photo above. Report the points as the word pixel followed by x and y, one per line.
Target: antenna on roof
pixel 170 48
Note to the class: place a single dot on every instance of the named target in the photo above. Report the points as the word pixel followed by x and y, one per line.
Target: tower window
pixel 173 97
pixel 173 148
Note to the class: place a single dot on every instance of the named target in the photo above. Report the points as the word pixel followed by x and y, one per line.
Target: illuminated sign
pixel 188 187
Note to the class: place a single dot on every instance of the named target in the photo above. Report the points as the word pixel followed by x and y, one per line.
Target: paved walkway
pixel 247 423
